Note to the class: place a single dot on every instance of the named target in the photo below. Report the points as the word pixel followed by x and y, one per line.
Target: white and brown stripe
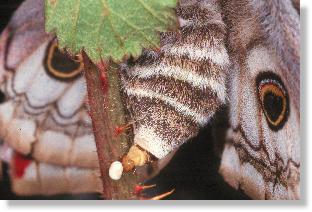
pixel 173 92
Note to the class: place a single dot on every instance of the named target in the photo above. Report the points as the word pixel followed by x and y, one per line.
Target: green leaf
pixel 109 29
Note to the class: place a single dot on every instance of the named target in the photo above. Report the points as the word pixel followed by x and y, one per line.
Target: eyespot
pixel 59 65
pixel 274 99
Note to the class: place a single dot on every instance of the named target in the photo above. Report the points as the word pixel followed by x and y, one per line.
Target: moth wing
pixel 262 155
pixel 30 177
pixel 44 113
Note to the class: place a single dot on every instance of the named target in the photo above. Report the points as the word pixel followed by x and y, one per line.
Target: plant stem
pixel 106 110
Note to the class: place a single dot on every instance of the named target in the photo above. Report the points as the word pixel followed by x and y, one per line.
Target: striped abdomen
pixel 173 92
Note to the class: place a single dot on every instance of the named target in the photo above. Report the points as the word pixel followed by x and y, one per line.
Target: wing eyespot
pixel 274 99
pixel 61 66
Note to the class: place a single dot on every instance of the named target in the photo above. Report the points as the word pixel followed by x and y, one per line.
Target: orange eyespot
pixel 274 99
pixel 60 66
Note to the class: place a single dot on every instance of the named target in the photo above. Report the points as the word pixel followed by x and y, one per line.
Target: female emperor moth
pixel 239 53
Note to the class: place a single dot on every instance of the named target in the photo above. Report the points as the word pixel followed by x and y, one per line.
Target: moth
pixel 45 126
pixel 243 54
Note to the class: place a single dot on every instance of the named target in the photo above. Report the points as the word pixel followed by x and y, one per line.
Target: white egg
pixel 115 170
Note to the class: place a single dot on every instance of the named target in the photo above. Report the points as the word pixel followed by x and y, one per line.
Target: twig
pixel 106 110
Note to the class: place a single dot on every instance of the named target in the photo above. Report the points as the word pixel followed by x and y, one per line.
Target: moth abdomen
pixel 174 92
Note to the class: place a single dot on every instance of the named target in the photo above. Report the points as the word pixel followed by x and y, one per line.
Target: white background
pixel 250 206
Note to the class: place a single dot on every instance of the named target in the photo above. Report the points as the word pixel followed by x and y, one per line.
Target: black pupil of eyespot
pixel 274 99
pixel 273 105
pixel 2 97
pixel 63 63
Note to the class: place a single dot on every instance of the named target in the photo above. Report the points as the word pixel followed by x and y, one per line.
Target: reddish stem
pixel 100 91
pixel 98 103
